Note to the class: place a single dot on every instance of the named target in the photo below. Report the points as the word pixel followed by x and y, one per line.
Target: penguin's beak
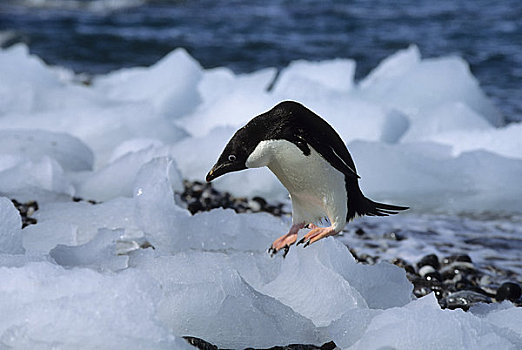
pixel 216 171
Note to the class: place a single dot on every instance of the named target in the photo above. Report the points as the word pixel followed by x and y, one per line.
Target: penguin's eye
pixel 231 157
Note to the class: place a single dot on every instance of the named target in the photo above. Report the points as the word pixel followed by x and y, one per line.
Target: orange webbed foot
pixel 316 234
pixel 284 242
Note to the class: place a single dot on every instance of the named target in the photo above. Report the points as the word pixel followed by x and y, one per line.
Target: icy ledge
pixel 210 277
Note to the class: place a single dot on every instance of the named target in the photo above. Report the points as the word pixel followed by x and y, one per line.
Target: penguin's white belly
pixel 317 189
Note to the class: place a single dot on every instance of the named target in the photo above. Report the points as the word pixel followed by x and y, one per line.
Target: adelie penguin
pixel 311 161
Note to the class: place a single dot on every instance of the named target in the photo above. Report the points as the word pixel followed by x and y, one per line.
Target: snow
pixel 71 153
pixel 10 230
pixel 421 132
pixel 170 85
pixel 302 78
pixel 422 324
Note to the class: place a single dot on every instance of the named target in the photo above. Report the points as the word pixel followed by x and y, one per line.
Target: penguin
pixel 311 161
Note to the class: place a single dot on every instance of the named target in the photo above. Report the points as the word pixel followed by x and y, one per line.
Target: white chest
pixel 316 188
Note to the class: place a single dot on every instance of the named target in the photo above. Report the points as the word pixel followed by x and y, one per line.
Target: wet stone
pixel 463 299
pixel 200 343
pixel 433 276
pixel 509 291
pixel 394 236
pixel 204 345
pixel 26 211
pixel 79 199
pixel 200 196
pixel 457 268
pixel 426 269
pixel 421 287
pixel 453 258
pixel 359 232
pixel 429 260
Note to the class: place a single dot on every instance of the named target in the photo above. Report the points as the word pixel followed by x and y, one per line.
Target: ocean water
pixel 97 36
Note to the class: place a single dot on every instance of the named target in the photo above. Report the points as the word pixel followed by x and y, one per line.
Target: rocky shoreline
pixel 456 281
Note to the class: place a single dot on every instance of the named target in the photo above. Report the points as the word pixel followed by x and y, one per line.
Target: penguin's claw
pixel 286 248
pixel 316 234
pixel 271 251
pixel 283 243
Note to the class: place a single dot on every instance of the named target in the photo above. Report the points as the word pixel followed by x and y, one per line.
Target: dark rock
pixel 457 268
pixel 438 289
pixel 79 199
pixel 452 258
pixel 26 210
pixel 433 276
pixel 327 346
pixel 508 291
pixel 421 287
pixel 430 260
pixel 426 269
pixel 394 236
pixel 200 343
pixel 203 197
pixel 359 232
pixel 204 345
pixel 463 300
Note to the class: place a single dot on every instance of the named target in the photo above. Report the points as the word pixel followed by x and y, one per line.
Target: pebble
pixel 26 211
pixel 426 269
pixel 429 260
pixel 200 197
pixel 508 290
pixel 452 258
pixel 204 345
pixel 463 300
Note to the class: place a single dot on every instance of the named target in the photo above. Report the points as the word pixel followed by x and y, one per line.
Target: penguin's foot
pixel 316 234
pixel 285 241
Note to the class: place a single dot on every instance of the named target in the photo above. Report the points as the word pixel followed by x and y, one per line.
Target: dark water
pixel 99 36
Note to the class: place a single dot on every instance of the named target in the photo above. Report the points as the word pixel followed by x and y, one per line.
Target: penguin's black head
pixel 265 126
pixel 234 156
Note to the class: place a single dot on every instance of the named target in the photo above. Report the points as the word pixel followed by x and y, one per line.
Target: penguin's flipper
pixel 330 146
pixel 305 128
pixel 343 164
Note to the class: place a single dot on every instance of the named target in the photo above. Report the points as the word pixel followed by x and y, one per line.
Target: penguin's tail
pixel 359 205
